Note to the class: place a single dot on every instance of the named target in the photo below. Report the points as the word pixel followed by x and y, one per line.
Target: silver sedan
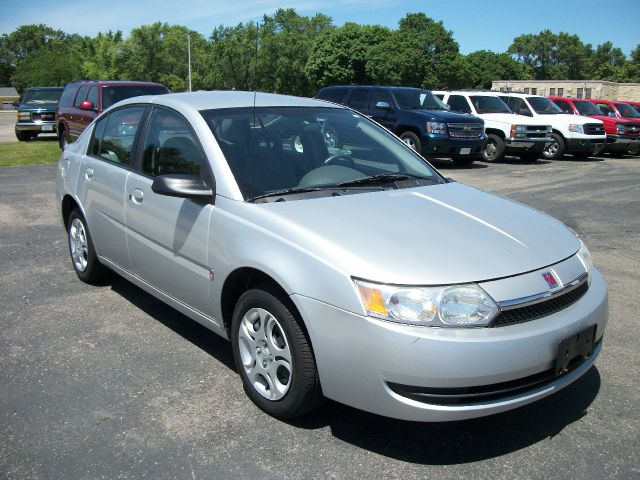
pixel 338 262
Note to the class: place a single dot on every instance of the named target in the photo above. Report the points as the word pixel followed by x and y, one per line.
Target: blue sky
pixel 476 24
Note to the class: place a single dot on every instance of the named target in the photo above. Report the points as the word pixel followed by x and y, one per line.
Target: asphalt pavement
pixel 107 382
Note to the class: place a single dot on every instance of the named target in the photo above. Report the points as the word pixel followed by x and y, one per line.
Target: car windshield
pixel 42 95
pixel 286 150
pixel 489 104
pixel 413 98
pixel 587 108
pixel 627 110
pixel 544 106
pixel 114 93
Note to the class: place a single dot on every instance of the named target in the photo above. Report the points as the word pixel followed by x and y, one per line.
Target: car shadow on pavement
pixel 444 164
pixel 459 442
pixel 190 330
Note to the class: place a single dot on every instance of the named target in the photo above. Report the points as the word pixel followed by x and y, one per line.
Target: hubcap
pixel 551 149
pixel 265 354
pixel 78 245
pixel 490 151
pixel 409 142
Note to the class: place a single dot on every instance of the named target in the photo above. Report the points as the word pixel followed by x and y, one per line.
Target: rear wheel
pixel 412 140
pixel 273 355
pixel 83 255
pixel 63 141
pixel 554 150
pixel 494 149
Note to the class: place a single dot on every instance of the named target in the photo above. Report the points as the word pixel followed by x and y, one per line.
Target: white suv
pixel 507 133
pixel 580 136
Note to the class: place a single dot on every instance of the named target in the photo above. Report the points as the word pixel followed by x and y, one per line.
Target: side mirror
pixel 182 186
pixel 383 106
pixel 86 105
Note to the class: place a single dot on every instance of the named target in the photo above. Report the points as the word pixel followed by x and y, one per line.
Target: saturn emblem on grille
pixel 551 279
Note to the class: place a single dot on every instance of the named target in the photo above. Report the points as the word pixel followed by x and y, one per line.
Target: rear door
pixel 76 118
pixel 103 177
pixel 167 237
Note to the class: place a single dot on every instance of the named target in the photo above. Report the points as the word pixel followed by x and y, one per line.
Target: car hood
pixel 564 119
pixel 441 234
pixel 511 118
pixel 446 116
pixel 36 107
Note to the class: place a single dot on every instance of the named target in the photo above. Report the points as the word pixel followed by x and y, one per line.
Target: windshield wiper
pixel 381 179
pixel 286 191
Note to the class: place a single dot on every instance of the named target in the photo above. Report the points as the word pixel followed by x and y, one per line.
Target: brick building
pixel 572 88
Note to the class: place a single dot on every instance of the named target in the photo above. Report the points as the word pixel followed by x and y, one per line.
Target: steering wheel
pixel 340 159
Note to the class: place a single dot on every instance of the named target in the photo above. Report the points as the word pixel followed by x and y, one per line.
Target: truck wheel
pixel 555 149
pixel 494 149
pixel 62 138
pixel 412 140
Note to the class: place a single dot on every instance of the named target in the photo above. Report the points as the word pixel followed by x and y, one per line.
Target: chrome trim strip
pixel 507 305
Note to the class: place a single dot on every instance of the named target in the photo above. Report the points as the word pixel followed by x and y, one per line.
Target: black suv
pixel 421 120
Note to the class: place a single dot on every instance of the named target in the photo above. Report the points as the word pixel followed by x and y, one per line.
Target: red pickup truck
pixel 623 134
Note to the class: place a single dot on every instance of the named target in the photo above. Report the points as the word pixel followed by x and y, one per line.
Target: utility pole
pixel 189 56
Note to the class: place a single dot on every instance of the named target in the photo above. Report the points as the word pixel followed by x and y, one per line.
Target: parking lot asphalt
pixel 107 382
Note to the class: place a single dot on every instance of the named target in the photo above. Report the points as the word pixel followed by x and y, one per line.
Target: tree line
pixel 294 54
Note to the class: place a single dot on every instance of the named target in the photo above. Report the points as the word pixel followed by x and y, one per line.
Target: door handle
pixel 136 196
pixel 89 174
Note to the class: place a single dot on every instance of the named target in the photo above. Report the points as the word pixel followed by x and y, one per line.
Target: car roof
pixel 373 86
pixel 117 82
pixel 206 100
pixel 45 88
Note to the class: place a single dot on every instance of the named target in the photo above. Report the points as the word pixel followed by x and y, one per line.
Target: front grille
pixel 632 128
pixel 593 129
pixel 46 116
pixel 465 130
pixel 537 131
pixel 542 309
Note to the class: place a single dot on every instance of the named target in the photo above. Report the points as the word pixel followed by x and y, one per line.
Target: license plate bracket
pixel 47 128
pixel 578 346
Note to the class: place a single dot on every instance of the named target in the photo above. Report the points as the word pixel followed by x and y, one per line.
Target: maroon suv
pixel 84 100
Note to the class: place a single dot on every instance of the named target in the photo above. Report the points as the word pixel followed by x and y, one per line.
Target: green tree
pixel 483 66
pixel 340 55
pixel 46 68
pixel 105 56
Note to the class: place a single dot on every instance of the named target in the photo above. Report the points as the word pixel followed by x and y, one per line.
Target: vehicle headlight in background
pixel 448 306
pixel 24 116
pixel 436 127
pixel 518 131
pixel 576 128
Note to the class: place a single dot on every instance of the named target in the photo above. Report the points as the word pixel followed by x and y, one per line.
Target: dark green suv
pixel 37 112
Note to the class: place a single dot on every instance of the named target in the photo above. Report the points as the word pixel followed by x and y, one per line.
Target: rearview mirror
pixel 182 186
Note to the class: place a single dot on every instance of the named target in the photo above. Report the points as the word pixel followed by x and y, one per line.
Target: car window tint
pixel 120 131
pixel 82 94
pixel 380 96
pixel 564 106
pixel 98 132
pixel 605 109
pixel 358 98
pixel 93 96
pixel 67 96
pixel 332 94
pixel 170 146
pixel 459 104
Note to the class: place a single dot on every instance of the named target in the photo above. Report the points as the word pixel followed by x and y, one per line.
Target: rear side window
pixel 170 146
pixel 68 95
pixel 114 93
pixel 358 98
pixel 334 95
pixel 117 135
pixel 93 96
pixel 459 104
pixel 82 94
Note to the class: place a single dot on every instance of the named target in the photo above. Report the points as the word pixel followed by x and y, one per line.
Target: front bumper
pixel 440 145
pixel 359 357
pixel 526 145
pixel 621 143
pixel 591 145
pixel 38 126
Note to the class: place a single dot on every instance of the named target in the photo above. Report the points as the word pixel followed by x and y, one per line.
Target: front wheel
pixel 412 140
pixel 494 149
pixel 554 150
pixel 63 141
pixel 273 355
pixel 83 254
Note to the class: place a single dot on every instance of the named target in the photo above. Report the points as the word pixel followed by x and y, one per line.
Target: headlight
pixel 436 127
pixel 453 306
pixel 620 129
pixel 24 116
pixel 574 127
pixel 518 131
pixel 585 257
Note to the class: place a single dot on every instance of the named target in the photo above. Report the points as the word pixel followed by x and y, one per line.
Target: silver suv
pixel 346 269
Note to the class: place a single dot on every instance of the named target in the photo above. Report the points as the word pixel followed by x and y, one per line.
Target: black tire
pixel 83 254
pixel 494 149
pixel 464 161
pixel 23 136
pixel 412 140
pixel 303 393
pixel 63 141
pixel 529 157
pixel 555 149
